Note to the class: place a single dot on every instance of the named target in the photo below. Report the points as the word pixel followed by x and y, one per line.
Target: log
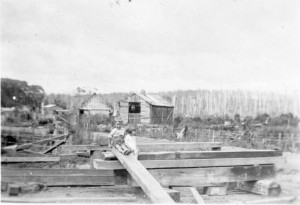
pixel 147 182
pixel 187 163
pixel 59 177
pixel 30 159
pixel 261 187
pixel 197 154
pixel 200 177
pixel 197 196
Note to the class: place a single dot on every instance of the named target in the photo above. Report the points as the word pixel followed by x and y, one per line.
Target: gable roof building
pixel 145 108
pixel 91 104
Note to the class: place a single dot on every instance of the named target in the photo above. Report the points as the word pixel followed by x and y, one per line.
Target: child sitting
pixel 130 142
pixel 116 139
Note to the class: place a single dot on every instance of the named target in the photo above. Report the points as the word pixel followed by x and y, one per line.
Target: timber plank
pixel 150 186
pixel 62 177
pixel 185 163
pixel 150 147
pixel 63 180
pixel 28 145
pixel 199 177
pixel 275 200
pixel 54 172
pixel 70 200
pixel 197 196
pixel 30 159
pixel 54 146
pixel 198 154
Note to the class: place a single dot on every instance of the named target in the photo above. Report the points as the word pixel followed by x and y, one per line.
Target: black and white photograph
pixel 150 101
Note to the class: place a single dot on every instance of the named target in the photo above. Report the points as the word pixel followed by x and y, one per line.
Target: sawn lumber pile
pixel 170 164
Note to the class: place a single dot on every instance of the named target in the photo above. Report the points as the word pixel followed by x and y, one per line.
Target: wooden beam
pixel 151 147
pixel 54 146
pixel 188 163
pixel 34 153
pixel 59 177
pixel 63 119
pixel 200 177
pixel 70 200
pixel 197 196
pixel 197 154
pixel 277 200
pixel 28 145
pixel 30 159
pixel 147 182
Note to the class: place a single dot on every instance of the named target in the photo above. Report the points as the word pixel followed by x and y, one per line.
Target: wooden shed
pixel 94 105
pixel 146 109
pixel 51 109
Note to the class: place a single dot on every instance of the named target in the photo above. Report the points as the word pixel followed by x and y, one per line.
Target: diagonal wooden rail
pixel 151 187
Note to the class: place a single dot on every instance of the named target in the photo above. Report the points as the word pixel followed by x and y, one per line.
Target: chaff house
pixel 89 110
pixel 145 109
pixel 90 104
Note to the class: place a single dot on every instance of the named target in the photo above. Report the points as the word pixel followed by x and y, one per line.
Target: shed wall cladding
pixel 95 103
pixel 134 118
pixel 124 111
pixel 161 115
pixel 99 112
pixel 96 106
pixel 145 112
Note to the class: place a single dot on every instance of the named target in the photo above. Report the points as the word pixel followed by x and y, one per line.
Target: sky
pixel 155 45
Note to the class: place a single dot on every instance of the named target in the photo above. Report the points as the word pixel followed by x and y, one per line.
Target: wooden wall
pixel 95 103
pixel 143 117
pixel 149 114
pixel 161 115
pixel 145 112
pixel 123 106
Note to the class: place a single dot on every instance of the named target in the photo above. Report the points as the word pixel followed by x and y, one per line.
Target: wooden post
pixel 196 133
pixel 293 143
pixel 213 137
pixel 197 196
pixel 279 140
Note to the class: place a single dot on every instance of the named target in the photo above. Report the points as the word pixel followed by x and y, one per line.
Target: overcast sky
pixel 155 45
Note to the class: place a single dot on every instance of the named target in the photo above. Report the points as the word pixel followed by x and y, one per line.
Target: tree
pixel 16 93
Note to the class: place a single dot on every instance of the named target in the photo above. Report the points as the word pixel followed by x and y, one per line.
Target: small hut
pixel 94 105
pixel 146 109
pixel 51 109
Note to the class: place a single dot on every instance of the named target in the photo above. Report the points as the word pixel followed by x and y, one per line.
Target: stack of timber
pixel 168 165
pixel 199 168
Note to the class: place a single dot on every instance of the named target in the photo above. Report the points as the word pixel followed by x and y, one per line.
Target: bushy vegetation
pixel 287 119
pixel 16 93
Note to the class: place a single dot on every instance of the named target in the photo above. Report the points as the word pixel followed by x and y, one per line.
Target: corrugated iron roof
pixel 155 100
